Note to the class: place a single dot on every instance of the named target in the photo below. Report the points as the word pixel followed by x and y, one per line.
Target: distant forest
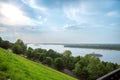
pixel 95 46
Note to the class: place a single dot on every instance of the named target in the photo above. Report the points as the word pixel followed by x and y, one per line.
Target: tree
pixel 42 57
pixel 68 59
pixel 30 52
pixel 109 67
pixel 0 40
pixel 48 61
pixel 94 68
pixel 59 63
pixel 67 53
pixel 81 69
pixel 71 63
pixel 76 59
pixel 77 70
pixel 51 53
pixel 19 47
pixel 5 44
pixel 39 50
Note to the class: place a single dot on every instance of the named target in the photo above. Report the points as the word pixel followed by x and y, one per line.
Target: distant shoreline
pixel 89 46
pixel 95 46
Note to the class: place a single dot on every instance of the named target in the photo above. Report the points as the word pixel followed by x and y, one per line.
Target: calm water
pixel 108 55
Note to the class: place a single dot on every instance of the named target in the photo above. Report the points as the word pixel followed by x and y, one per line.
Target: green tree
pixel 94 67
pixel 48 61
pixel 0 40
pixel 59 63
pixel 109 67
pixel 30 52
pixel 68 59
pixel 5 44
pixel 42 57
pixel 81 72
pixel 76 59
pixel 39 50
pixel 77 70
pixel 67 53
pixel 19 47
pixel 81 69
pixel 51 53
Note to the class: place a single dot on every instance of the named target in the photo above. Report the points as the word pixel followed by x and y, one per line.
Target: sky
pixel 60 21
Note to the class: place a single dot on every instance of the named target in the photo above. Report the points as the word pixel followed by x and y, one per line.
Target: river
pixel 108 55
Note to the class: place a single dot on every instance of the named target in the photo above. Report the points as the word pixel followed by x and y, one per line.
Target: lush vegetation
pixel 15 67
pixel 87 67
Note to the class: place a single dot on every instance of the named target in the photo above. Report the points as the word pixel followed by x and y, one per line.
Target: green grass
pixel 15 67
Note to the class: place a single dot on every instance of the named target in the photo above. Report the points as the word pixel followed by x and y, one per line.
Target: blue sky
pixel 68 21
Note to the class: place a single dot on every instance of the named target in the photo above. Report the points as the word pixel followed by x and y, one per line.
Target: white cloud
pixel 86 8
pixel 71 13
pixel 113 14
pixel 12 15
pixel 79 12
pixel 33 4
pixel 69 27
pixel 66 26
pixel 39 17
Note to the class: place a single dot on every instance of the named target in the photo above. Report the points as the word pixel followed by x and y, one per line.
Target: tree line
pixel 95 46
pixel 85 68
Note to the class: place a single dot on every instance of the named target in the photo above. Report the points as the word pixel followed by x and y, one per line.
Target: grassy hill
pixel 15 67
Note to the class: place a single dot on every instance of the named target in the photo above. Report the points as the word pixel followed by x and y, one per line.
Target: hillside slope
pixel 15 67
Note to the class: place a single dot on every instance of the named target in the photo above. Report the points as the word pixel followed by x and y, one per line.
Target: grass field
pixel 15 67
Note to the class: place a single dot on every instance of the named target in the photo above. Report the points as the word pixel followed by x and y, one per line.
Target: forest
pixel 84 68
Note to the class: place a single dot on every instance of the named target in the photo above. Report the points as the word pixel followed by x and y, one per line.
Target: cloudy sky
pixel 68 21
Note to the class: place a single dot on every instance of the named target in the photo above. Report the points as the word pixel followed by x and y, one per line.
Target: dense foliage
pixel 19 47
pixel 5 44
pixel 87 67
pixel 15 67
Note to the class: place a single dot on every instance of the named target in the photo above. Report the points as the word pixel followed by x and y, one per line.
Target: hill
pixel 15 67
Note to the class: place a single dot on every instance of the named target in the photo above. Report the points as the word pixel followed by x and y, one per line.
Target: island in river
pixel 95 54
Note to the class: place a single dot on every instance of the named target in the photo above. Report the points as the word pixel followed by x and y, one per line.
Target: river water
pixel 108 55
